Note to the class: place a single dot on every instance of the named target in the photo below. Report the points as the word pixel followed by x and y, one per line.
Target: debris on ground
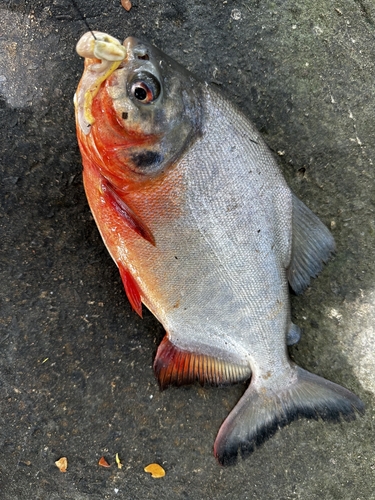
pixel 62 464
pixel 155 470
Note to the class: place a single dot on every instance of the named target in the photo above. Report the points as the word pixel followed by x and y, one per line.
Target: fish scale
pixel 206 233
pixel 245 255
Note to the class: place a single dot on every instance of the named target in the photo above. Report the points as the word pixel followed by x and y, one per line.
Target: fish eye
pixel 145 87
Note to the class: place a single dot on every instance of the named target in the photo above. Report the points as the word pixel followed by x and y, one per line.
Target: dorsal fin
pixel 131 289
pixel 175 366
pixel 126 213
pixel 312 245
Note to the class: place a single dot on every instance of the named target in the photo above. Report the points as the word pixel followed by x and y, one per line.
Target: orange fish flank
pixel 127 207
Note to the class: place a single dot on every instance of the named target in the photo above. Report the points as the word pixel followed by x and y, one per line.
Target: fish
pixel 196 214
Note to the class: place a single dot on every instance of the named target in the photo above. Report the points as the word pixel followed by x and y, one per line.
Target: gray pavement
pixel 76 374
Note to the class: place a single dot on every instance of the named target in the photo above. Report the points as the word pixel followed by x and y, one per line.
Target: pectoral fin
pixel 174 366
pixel 312 245
pixel 131 289
pixel 128 216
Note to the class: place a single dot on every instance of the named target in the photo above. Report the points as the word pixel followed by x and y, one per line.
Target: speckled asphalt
pixel 76 374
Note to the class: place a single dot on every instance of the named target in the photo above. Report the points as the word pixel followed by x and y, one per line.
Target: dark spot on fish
pixel 147 159
pixel 146 57
pixel 176 257
pixel 258 231
pixel 125 115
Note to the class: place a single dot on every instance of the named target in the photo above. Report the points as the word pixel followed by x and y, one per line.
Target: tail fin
pixel 260 413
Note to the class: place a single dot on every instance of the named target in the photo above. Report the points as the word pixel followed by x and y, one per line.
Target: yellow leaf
pixel 62 464
pixel 155 470
pixel 118 461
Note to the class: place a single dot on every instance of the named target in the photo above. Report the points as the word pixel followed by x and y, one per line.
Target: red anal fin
pixel 126 213
pixel 175 366
pixel 131 289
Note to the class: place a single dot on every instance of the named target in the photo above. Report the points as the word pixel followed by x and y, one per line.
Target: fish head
pixel 137 110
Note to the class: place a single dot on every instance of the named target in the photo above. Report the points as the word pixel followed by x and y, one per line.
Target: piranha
pixel 205 232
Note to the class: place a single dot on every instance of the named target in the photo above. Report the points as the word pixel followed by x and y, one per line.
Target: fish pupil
pixel 140 93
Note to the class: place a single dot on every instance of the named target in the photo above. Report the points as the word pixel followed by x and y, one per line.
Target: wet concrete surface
pixel 76 374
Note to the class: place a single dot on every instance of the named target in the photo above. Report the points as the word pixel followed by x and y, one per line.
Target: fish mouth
pixel 105 55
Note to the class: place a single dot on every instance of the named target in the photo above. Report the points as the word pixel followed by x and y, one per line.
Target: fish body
pixel 206 233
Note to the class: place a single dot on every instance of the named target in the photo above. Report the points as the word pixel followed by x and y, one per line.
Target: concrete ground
pixel 75 361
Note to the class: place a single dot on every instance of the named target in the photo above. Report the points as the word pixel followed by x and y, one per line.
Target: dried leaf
pixel 62 464
pixel 155 470
pixel 126 4
pixel 103 462
pixel 118 461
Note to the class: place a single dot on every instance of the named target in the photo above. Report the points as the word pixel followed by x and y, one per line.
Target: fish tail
pixel 260 413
